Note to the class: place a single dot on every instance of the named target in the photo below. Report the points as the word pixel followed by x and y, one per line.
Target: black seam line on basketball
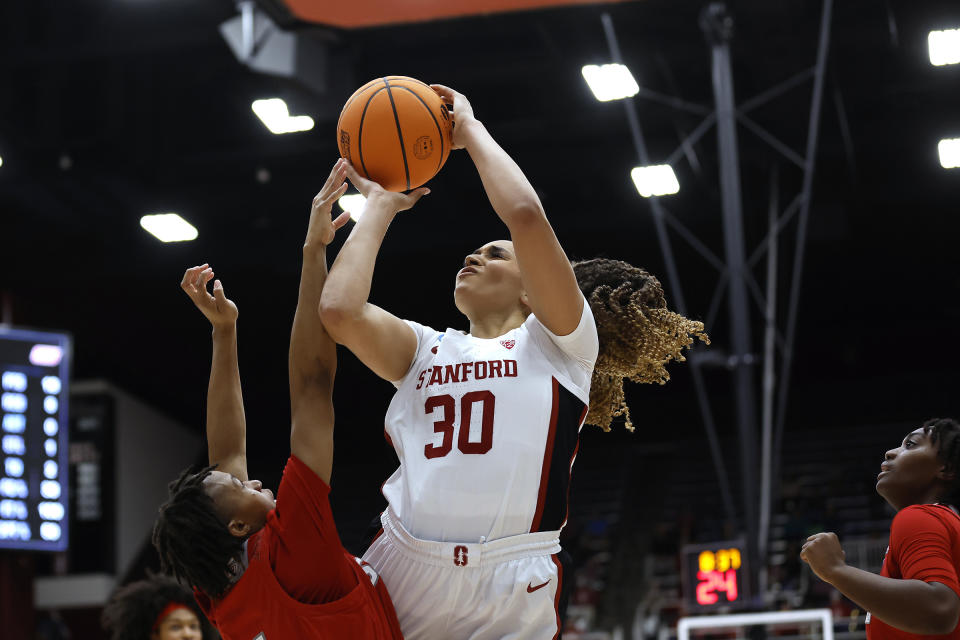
pixel 439 130
pixel 360 132
pixel 358 91
pixel 356 94
pixel 396 118
pixel 350 101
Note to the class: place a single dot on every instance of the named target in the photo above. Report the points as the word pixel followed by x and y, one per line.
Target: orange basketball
pixel 395 131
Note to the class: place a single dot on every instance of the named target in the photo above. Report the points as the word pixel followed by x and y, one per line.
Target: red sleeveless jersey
pixel 300 582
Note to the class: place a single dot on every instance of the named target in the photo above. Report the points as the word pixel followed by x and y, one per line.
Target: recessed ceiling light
pixel 168 227
pixel 610 81
pixel 273 112
pixel 655 180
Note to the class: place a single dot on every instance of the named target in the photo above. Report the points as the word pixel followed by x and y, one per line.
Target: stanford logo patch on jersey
pixel 509 344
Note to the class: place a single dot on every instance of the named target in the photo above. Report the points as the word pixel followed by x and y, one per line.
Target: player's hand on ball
pixel 460 109
pixel 218 309
pixel 322 227
pixel 370 190
pixel 822 551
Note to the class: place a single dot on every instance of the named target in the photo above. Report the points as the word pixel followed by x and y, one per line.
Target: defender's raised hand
pixel 323 227
pixel 217 308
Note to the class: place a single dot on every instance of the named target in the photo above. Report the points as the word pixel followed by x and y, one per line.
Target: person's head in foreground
pixel 200 530
pixel 157 608
pixel 923 469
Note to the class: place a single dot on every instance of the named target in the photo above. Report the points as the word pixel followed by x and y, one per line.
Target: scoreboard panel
pixel 34 389
pixel 713 576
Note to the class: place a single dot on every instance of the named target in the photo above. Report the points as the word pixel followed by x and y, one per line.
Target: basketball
pixel 395 131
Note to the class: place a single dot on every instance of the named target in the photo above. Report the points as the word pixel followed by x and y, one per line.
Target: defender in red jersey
pixel 265 569
pixel 918 591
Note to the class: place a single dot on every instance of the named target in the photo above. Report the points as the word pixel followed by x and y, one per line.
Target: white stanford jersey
pixel 487 430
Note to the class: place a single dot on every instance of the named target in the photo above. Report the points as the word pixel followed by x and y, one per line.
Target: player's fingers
pixel 341 220
pixel 415 195
pixel 201 285
pixel 191 274
pixel 218 293
pixel 352 174
pixel 189 286
pixel 331 180
pixel 362 184
pixel 336 193
pixel 445 92
pixel 330 197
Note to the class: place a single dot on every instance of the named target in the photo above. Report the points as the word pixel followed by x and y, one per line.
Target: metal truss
pixel 735 279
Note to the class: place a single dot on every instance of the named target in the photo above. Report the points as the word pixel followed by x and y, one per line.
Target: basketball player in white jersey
pixel 485 423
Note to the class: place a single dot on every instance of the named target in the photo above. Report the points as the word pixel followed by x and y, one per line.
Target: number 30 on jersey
pixel 444 410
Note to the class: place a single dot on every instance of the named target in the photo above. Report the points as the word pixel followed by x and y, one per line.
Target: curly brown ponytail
pixel 639 335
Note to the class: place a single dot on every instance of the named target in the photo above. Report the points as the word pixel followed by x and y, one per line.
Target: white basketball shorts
pixel 508 589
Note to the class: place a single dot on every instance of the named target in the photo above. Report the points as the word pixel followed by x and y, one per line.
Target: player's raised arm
pixel 379 339
pixel 312 360
pixel 548 278
pixel 226 423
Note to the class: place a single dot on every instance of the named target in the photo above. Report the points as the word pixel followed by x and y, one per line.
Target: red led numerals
pixel 712 582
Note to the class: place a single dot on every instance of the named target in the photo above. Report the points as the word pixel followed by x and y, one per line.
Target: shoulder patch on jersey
pixel 509 344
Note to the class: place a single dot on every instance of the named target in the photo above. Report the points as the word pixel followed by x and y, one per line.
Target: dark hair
pixel 194 543
pixel 133 609
pixel 638 334
pixel 944 433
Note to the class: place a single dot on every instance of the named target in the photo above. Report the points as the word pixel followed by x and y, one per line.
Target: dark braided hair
pixel 195 545
pixel 638 334
pixel 944 433
pixel 133 609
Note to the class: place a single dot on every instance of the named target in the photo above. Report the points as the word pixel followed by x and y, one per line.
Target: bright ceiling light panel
pixel 354 203
pixel 949 153
pixel 944 47
pixel 610 81
pixel 273 112
pixel 168 227
pixel 655 180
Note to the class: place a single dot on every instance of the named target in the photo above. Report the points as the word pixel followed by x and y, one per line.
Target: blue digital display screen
pixel 34 390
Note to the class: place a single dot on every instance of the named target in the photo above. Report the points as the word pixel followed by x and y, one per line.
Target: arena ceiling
pixel 112 108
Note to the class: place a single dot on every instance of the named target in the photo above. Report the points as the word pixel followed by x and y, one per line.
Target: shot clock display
pixel 713 575
pixel 34 370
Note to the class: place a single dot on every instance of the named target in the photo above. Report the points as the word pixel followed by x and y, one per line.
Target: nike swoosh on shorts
pixel 531 588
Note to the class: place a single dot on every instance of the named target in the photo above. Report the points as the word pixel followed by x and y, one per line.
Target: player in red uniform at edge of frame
pixel 157 608
pixel 265 569
pixel 917 593
pixel 486 424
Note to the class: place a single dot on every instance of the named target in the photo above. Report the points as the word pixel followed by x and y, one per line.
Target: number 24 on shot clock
pixel 713 575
